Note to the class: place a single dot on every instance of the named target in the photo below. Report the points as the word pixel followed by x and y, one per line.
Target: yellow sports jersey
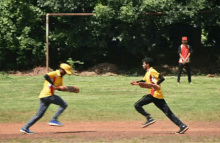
pixel 48 89
pixel 152 77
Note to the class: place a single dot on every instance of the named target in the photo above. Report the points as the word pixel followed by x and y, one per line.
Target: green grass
pixel 109 99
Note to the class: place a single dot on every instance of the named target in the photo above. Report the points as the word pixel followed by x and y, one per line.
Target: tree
pixel 119 32
pixel 20 43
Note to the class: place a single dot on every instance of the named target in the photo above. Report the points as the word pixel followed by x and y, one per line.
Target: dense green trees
pixel 21 32
pixel 119 32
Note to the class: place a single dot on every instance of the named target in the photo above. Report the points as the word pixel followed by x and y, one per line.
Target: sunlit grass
pixel 109 99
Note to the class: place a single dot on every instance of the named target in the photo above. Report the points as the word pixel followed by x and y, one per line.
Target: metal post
pixel 47 42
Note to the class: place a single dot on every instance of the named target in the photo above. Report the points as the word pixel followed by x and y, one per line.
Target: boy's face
pixel 144 65
pixel 62 72
pixel 184 41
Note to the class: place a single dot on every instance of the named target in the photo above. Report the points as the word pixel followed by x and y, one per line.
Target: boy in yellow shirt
pixel 52 82
pixel 154 79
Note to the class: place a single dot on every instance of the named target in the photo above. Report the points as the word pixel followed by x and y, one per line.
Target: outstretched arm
pixel 141 81
pixel 68 88
pixel 136 82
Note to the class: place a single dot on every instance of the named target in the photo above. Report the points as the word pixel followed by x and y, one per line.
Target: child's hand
pixel 155 87
pixel 134 83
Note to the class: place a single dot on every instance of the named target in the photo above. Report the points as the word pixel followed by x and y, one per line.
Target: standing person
pixel 184 52
pixel 154 79
pixel 47 96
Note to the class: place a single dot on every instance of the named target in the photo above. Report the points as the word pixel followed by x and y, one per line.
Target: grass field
pixel 109 99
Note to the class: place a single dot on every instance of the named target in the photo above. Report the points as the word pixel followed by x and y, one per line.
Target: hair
pixel 148 61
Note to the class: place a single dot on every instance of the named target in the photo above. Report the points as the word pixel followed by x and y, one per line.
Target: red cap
pixel 184 38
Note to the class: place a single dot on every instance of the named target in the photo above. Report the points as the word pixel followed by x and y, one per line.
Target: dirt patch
pixel 110 131
pixel 103 69
pixel 89 73
pixel 108 69
pixel 35 71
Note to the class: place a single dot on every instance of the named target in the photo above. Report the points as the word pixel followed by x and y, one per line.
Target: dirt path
pixel 119 130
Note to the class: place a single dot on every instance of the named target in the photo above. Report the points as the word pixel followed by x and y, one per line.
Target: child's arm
pixel 68 88
pixel 136 82
pixel 149 85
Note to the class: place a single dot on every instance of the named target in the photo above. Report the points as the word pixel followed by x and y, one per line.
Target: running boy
pixel 154 79
pixel 52 82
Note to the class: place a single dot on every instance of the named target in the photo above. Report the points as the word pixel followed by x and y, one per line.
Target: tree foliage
pixel 19 44
pixel 121 31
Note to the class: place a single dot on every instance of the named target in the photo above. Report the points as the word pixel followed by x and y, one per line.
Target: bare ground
pixel 108 69
pixel 110 131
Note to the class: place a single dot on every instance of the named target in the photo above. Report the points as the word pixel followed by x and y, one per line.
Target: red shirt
pixel 184 50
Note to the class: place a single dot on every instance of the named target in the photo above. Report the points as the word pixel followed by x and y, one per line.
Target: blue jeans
pixel 44 104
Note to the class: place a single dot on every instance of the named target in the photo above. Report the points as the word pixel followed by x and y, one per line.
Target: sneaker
pixel 178 83
pixel 149 122
pixel 182 130
pixel 55 123
pixel 27 131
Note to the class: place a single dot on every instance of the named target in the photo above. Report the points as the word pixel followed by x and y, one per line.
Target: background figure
pixel 184 52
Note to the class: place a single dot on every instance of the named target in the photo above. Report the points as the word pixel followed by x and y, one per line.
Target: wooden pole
pixel 47 42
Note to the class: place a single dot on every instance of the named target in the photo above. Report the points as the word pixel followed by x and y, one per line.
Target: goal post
pixel 72 14
pixel 91 14
pixel 47 30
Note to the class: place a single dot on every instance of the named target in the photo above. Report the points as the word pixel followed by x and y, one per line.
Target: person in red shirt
pixel 184 52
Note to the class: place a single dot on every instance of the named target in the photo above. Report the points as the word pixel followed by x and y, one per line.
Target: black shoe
pixel 149 122
pixel 182 130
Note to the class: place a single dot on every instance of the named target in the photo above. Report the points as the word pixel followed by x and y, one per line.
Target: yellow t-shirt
pixel 152 77
pixel 48 89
